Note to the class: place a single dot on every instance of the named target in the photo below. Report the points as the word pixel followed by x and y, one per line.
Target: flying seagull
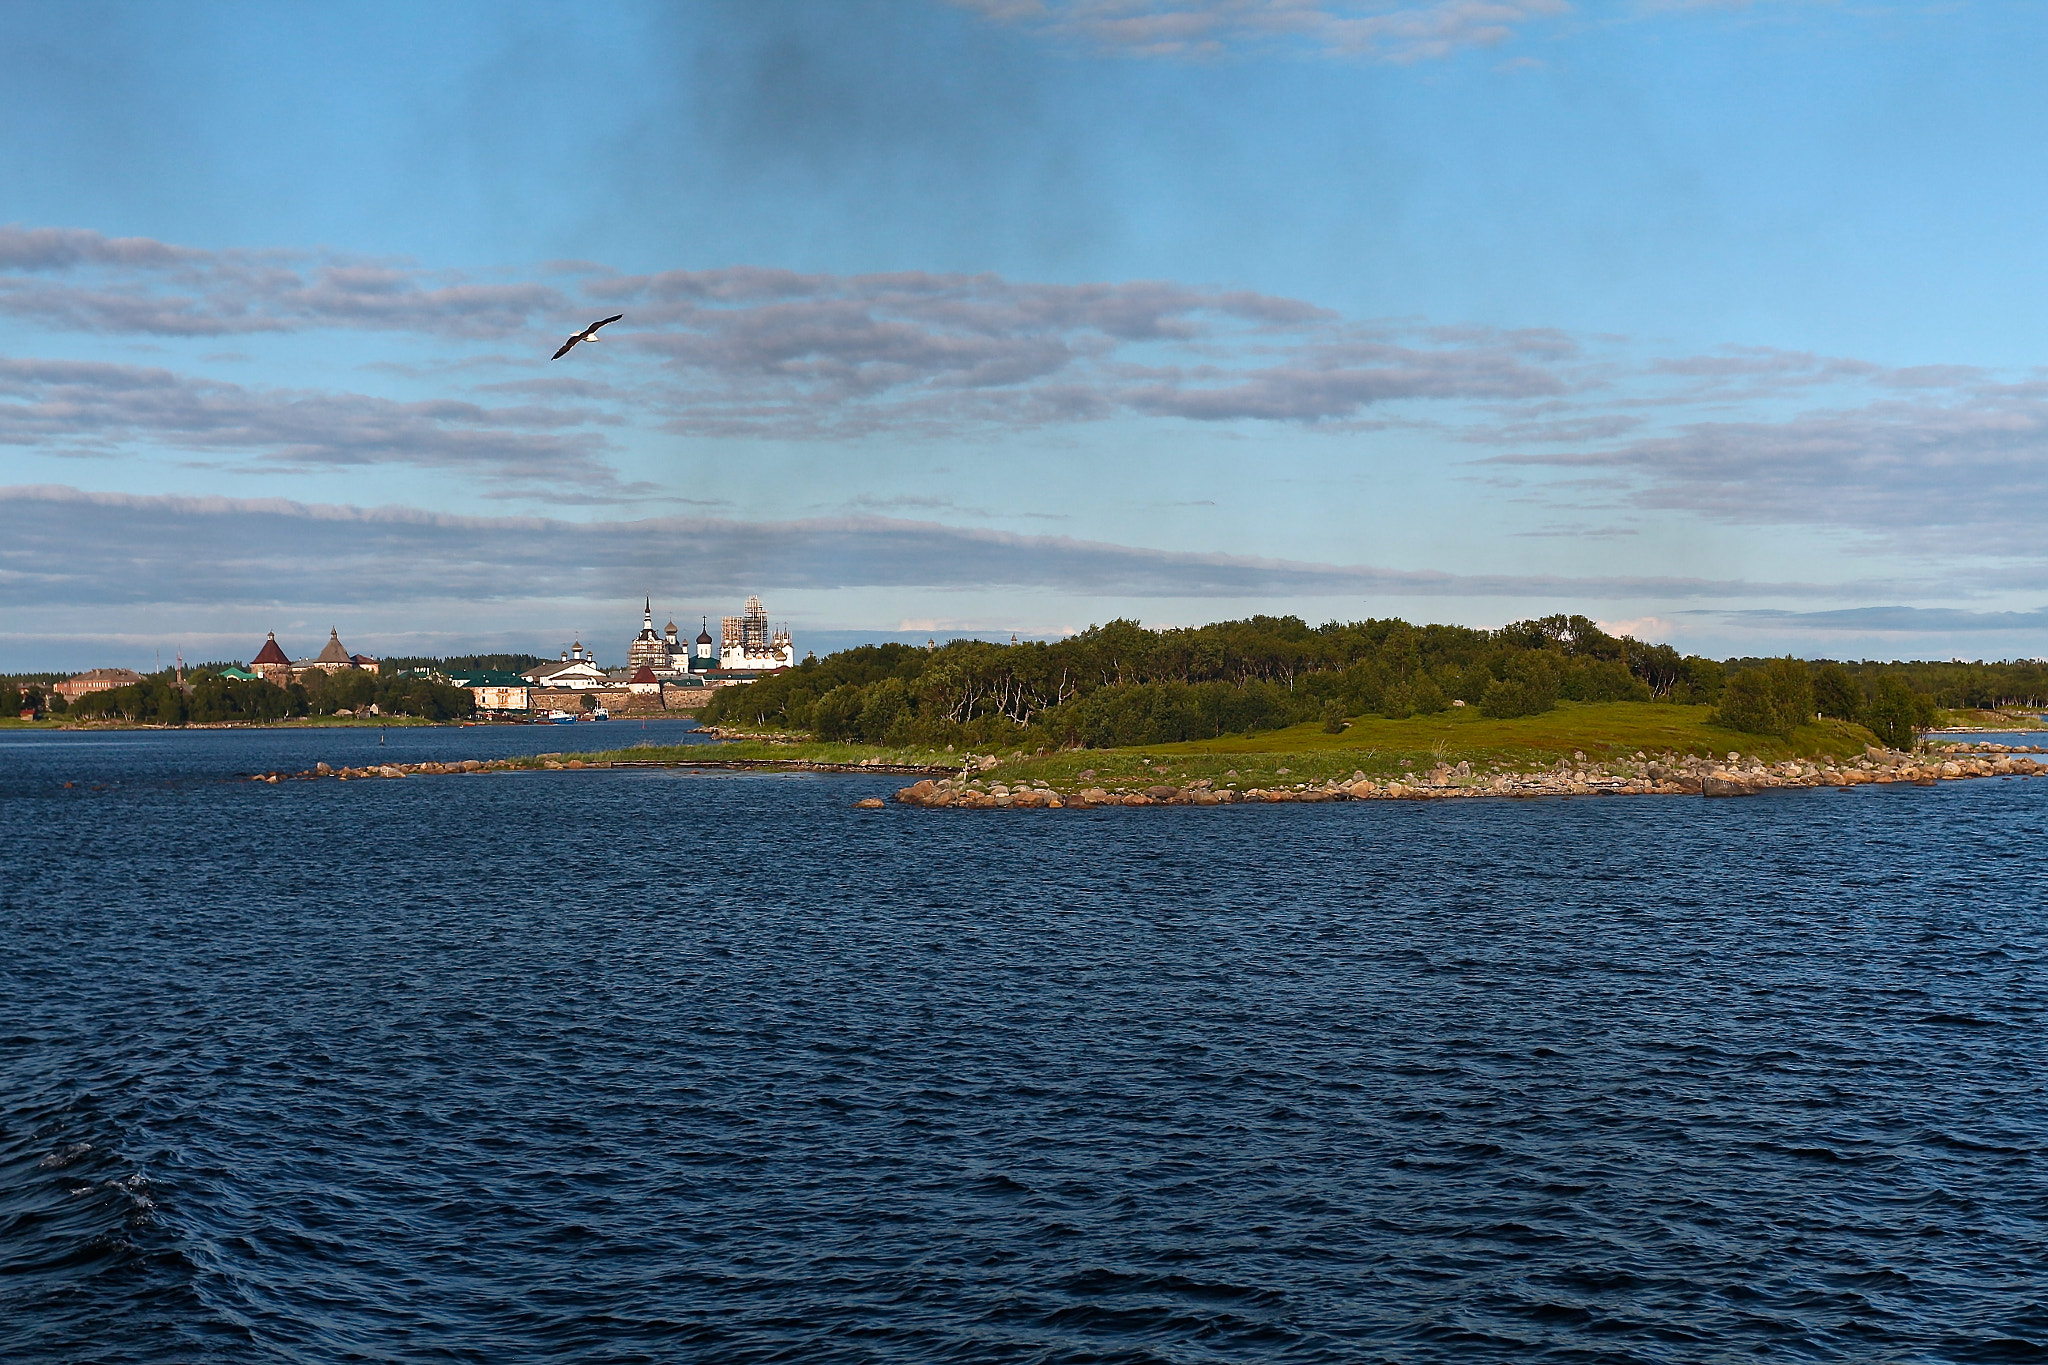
pixel 587 334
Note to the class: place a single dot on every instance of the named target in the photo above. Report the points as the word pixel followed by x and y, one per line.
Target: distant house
pixel 576 670
pixel 95 680
pixel 236 675
pixel 643 683
pixel 497 690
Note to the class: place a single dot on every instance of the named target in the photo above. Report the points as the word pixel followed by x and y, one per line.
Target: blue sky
pixel 1718 321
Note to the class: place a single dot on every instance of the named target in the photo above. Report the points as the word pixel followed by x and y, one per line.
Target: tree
pixel 1746 705
pixel 1835 693
pixel 1791 691
pixel 1891 713
pixel 1528 688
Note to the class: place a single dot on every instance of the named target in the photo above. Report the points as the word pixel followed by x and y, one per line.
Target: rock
pixel 919 793
pixel 322 769
pixel 1162 793
pixel 869 803
pixel 1095 796
pixel 388 771
pixel 1722 784
pixel 470 765
pixel 1085 774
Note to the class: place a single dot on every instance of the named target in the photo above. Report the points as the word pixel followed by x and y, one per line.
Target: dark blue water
pixel 632 1066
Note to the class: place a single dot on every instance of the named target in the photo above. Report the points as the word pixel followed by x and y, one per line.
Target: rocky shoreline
pixel 1671 776
pixel 976 788
pixel 563 762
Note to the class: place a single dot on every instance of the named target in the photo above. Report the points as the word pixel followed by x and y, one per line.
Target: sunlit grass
pixel 1603 732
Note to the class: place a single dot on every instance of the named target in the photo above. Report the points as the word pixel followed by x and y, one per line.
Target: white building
pixel 750 647
pixel 576 669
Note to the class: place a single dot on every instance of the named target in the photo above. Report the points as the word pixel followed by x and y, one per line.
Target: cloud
pixel 1960 471
pixel 1379 30
pixel 92 408
pixel 62 546
pixel 1896 620
pixel 751 351
pixel 79 280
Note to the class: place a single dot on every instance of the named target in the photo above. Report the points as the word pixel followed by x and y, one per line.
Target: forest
pixel 1121 684
pixel 207 697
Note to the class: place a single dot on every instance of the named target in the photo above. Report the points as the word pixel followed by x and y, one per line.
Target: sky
pixel 1718 322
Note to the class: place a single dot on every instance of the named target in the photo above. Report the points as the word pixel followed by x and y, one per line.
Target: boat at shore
pixel 561 718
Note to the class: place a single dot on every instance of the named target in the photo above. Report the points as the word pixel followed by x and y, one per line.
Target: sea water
pixel 659 1066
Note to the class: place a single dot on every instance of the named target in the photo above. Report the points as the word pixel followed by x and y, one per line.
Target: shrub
pixel 1602 680
pixel 1529 689
pixel 1772 700
pixel 1333 718
pixel 1746 704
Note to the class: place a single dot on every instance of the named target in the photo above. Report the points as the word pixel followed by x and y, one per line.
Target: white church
pixel 749 646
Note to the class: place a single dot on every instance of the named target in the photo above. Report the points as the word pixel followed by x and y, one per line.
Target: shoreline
pixel 946 788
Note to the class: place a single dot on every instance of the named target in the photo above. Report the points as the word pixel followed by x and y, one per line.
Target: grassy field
pixel 1379 748
pixel 1994 720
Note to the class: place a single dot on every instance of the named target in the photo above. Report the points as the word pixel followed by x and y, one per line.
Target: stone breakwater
pixel 1643 777
pixel 561 762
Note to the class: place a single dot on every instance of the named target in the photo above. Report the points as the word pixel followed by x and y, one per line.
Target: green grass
pixel 1994 720
pixel 1379 748
pixel 795 749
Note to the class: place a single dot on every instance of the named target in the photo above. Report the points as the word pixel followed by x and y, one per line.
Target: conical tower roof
pixel 332 652
pixel 270 653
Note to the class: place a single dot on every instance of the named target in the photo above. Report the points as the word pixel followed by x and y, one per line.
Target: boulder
pixel 1162 793
pixel 869 803
pixel 919 793
pixel 1725 784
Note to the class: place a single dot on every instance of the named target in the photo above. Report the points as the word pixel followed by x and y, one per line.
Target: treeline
pixel 1120 684
pixel 208 697
pixel 457 664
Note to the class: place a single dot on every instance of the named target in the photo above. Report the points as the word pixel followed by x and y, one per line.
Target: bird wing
pixel 567 346
pixel 595 325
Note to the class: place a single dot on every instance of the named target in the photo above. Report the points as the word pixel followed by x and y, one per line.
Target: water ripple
pixel 644 1066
